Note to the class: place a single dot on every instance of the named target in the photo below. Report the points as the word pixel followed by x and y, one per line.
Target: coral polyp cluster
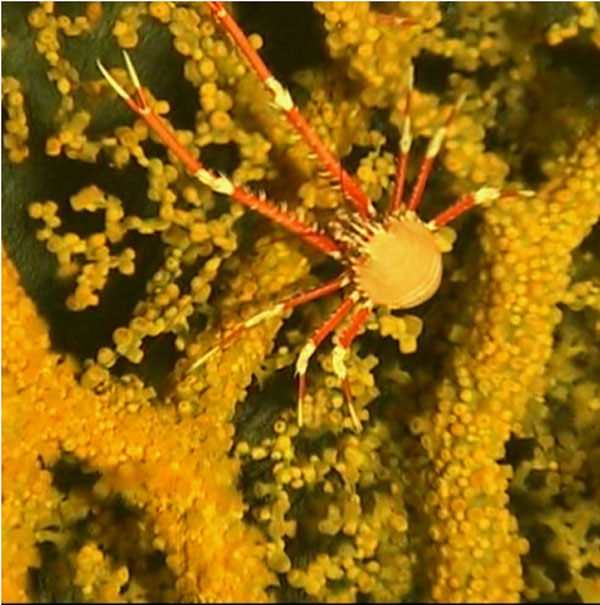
pixel 127 477
pixel 496 376
pixel 177 472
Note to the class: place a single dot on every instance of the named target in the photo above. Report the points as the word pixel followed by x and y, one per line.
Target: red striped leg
pixel 464 204
pixel 405 145
pixel 395 19
pixel 433 149
pixel 217 182
pixel 290 303
pixel 318 337
pixel 284 101
pixel 340 352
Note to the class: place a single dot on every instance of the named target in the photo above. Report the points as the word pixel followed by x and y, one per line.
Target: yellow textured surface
pixel 439 497
pixel 498 371
pixel 175 469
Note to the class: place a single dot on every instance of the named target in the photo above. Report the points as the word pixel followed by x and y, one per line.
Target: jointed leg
pixel 468 201
pixel 464 204
pixel 311 346
pixel 405 145
pixel 284 101
pixel 339 356
pixel 290 303
pixel 395 19
pixel 218 183
pixel 433 149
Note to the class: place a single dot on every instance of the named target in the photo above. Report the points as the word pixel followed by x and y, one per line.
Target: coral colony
pixel 459 464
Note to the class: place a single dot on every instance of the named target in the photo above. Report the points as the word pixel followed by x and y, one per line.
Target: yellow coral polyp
pixel 160 11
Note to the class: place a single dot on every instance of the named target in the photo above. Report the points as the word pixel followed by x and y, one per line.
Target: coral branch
pixel 501 368
pixel 176 470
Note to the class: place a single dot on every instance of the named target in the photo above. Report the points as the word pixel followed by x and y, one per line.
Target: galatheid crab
pixel 390 259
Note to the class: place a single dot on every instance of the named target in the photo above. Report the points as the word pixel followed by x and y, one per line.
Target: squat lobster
pixel 390 260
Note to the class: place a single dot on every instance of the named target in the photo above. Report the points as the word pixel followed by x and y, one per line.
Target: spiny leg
pixel 395 19
pixel 482 196
pixel 284 101
pixel 216 182
pixel 433 149
pixel 316 339
pixel 339 356
pixel 406 136
pixel 290 303
pixel 405 145
pixel 462 205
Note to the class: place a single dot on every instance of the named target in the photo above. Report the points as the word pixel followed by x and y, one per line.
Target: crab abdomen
pixel 401 266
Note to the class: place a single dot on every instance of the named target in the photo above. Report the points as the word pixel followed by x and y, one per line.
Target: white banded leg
pixel 279 309
pixel 311 346
pixel 341 352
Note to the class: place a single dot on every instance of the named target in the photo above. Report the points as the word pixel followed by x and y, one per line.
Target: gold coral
pixel 482 396
pixel 176 469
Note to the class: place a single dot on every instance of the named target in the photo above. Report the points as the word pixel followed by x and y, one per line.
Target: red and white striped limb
pixel 290 303
pixel 313 344
pixel 464 204
pixel 340 352
pixel 395 19
pixel 284 101
pixel 435 144
pixel 405 145
pixel 216 182
pixel 482 196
